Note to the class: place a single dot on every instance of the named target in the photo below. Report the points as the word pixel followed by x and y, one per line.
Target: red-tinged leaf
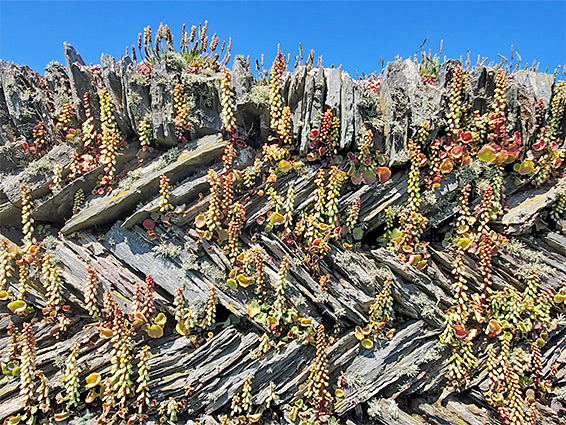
pixel 384 174
pixel 447 166
pixel 369 177
pixel 367 162
pixel 318 242
pixel 356 179
pixel 423 160
pixel 457 151
pixel 487 154
pixel 413 259
pixel 493 328
pixel 501 157
pixel 312 156
pixel 557 162
pixel 540 145
pixel 352 157
pixel 460 331
pixel 466 136
pixel 511 157
pixel 314 134
pixel 526 167
pixel 466 159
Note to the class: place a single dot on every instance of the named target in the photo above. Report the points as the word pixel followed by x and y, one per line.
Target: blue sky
pixel 354 34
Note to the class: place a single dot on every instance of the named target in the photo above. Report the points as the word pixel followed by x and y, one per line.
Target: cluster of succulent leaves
pixel 380 316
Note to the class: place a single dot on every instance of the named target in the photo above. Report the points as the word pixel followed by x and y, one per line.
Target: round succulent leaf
pixel 367 343
pixel 245 280
pixel 357 233
pixel 232 283
pixel 253 308
pixel 182 329
pixel 369 177
pixel 487 154
pixel 276 219
pixel 93 380
pixel 155 331
pixel 17 306
pixel 284 166
pixel 160 320
pixel 200 220
pixel 384 174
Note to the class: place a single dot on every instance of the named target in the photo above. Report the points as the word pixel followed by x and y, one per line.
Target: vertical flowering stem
pixel 143 400
pixel 275 85
pixel 109 140
pixel 211 302
pixel 164 194
pixel 71 378
pixel 316 390
pixel 234 228
pixel 27 365
pixel 27 219
pixel 227 102
pixel 214 213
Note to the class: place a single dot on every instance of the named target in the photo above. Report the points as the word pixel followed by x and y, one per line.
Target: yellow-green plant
pixel 27 219
pixel 238 213
pixel 316 391
pixel 143 400
pixel 109 140
pixel 227 102
pixel 164 194
pixel 210 309
pixel 52 282
pixel 182 123
pixel 275 86
pixel 57 179
pixel 27 366
pixel 43 397
pixel 71 378
pixel 121 359
pixel 187 317
pixel 6 267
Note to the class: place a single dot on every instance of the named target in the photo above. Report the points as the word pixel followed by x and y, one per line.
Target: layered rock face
pixel 298 248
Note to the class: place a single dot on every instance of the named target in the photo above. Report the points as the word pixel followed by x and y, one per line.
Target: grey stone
pixel 161 93
pixel 242 77
pixel 333 84
pixel 347 112
pixel 113 206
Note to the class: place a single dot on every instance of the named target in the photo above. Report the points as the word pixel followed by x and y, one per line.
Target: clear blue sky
pixel 355 34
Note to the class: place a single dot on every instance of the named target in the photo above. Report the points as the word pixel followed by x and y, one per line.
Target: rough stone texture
pixel 401 379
